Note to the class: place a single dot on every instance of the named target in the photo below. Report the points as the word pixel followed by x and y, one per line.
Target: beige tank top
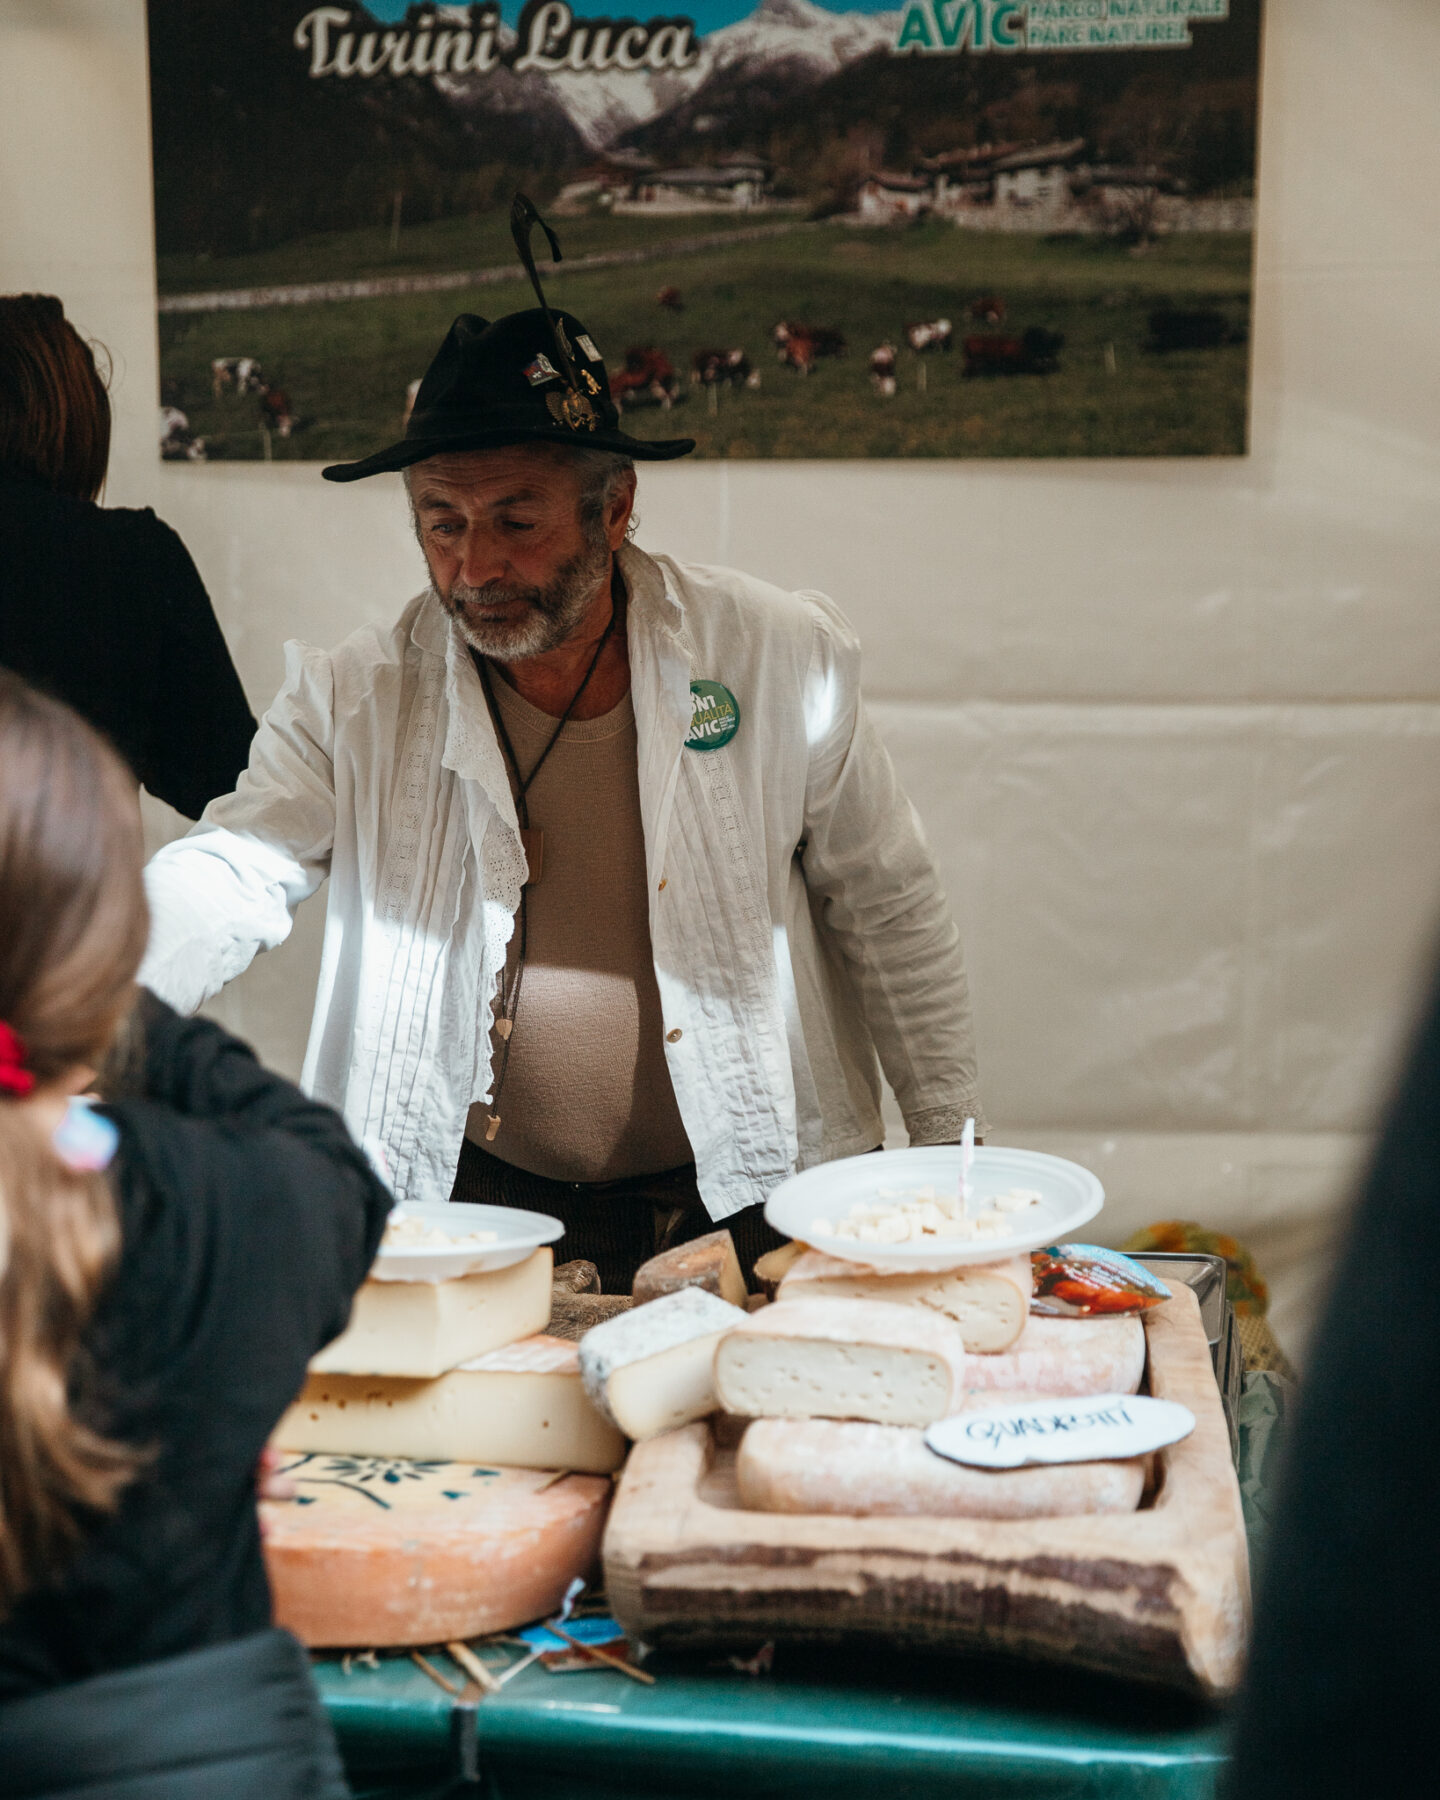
pixel 587 1094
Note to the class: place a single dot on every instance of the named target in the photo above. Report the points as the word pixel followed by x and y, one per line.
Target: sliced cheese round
pixel 522 1405
pixel 841 1359
pixel 867 1471
pixel 1067 1356
pixel 989 1302
pixel 378 1551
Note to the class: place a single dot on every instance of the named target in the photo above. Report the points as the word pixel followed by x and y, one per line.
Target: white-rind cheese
pixel 426 1327
pixel 867 1471
pixel 842 1359
pixel 522 1407
pixel 989 1302
pixel 1067 1356
pixel 650 1369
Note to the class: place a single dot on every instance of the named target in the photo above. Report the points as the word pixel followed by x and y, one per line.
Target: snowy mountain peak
pixel 603 105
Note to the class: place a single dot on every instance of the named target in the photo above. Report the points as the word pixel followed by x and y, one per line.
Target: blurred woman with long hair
pixel 169 1262
pixel 102 606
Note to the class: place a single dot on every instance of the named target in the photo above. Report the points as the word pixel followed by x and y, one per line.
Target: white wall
pixel 1174 726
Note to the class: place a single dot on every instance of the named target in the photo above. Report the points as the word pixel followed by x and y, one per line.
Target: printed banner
pixel 968 228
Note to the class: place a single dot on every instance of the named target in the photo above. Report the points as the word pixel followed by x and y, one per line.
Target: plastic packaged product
pixel 1074 1280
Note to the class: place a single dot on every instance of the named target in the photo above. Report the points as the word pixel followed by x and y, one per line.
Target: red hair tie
pixel 15 1078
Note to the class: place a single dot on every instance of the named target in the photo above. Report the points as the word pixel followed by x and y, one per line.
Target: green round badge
pixel 714 716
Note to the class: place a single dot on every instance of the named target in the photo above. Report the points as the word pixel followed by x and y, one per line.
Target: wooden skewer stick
pixel 433 1673
pixel 603 1656
pixel 472 1665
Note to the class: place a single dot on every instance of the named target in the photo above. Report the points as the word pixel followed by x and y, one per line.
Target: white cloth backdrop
pixel 1174 727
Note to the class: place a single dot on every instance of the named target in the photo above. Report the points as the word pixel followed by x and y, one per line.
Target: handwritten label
pixel 1099 1428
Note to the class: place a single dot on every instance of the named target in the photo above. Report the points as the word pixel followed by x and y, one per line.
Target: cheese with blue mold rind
pixel 651 1369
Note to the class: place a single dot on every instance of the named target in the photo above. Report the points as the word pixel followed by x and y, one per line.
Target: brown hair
pixel 73 924
pixel 54 408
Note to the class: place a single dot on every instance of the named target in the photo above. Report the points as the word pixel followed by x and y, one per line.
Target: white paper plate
pixel 516 1235
pixel 1069 1194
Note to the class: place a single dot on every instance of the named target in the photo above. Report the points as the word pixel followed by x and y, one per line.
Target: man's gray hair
pixel 601 473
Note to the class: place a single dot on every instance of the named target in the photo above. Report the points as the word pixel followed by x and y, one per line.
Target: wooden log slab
pixel 1159 1596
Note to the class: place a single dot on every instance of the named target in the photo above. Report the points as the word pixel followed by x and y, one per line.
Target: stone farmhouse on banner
pixel 1040 188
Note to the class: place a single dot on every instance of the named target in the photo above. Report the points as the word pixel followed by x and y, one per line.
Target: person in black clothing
pixel 103 607
pixel 1343 1668
pixel 169 1263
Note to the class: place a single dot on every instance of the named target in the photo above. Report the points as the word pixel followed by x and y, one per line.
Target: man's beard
pixel 551 614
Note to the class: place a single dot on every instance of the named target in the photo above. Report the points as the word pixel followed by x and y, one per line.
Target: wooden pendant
pixel 492 1127
pixel 503 1027
pixel 532 842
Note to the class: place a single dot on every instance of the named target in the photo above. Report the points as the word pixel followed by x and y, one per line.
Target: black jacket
pixel 1343 1670
pixel 103 608
pixel 249 1218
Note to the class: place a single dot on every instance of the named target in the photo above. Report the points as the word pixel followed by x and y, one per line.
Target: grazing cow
pixel 1198 329
pixel 987 309
pixel 720 368
pixel 799 347
pixel 671 299
pixel 882 370
pixel 243 373
pixel 275 412
pixel 178 443
pixel 647 379
pixel 935 335
pixel 1034 353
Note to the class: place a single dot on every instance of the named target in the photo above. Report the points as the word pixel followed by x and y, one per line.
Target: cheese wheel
pixel 427 1327
pixel 375 1551
pixel 523 1405
pixel 650 1369
pixel 841 1359
pixel 989 1302
pixel 707 1262
pixel 1067 1356
pixel 867 1471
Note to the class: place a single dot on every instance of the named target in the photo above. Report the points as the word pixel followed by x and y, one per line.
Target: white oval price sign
pixel 1099 1428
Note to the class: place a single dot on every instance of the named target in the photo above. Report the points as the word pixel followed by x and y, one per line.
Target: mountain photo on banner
pixel 969 228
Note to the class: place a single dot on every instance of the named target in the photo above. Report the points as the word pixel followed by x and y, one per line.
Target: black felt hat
pixel 531 377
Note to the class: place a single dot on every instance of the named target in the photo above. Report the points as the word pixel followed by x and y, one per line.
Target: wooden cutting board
pixel 1160 1595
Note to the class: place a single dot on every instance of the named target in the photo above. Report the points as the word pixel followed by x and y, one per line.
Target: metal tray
pixel 1207 1277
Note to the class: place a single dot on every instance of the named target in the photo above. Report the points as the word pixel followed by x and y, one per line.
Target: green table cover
pixel 821 1726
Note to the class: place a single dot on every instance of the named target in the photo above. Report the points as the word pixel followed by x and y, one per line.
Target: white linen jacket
pixel 796 916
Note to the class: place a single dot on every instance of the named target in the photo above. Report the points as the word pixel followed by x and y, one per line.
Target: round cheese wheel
pixel 375 1551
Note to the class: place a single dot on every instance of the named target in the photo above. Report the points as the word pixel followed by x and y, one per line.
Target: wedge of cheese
pixel 651 1369
pixel 842 1359
pixel 524 1405
pixel 427 1327
pixel 990 1303
pixel 375 1551
pixel 707 1262
pixel 1066 1356
pixel 867 1471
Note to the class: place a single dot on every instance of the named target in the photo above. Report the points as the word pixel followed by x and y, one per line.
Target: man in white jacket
pixel 624 896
